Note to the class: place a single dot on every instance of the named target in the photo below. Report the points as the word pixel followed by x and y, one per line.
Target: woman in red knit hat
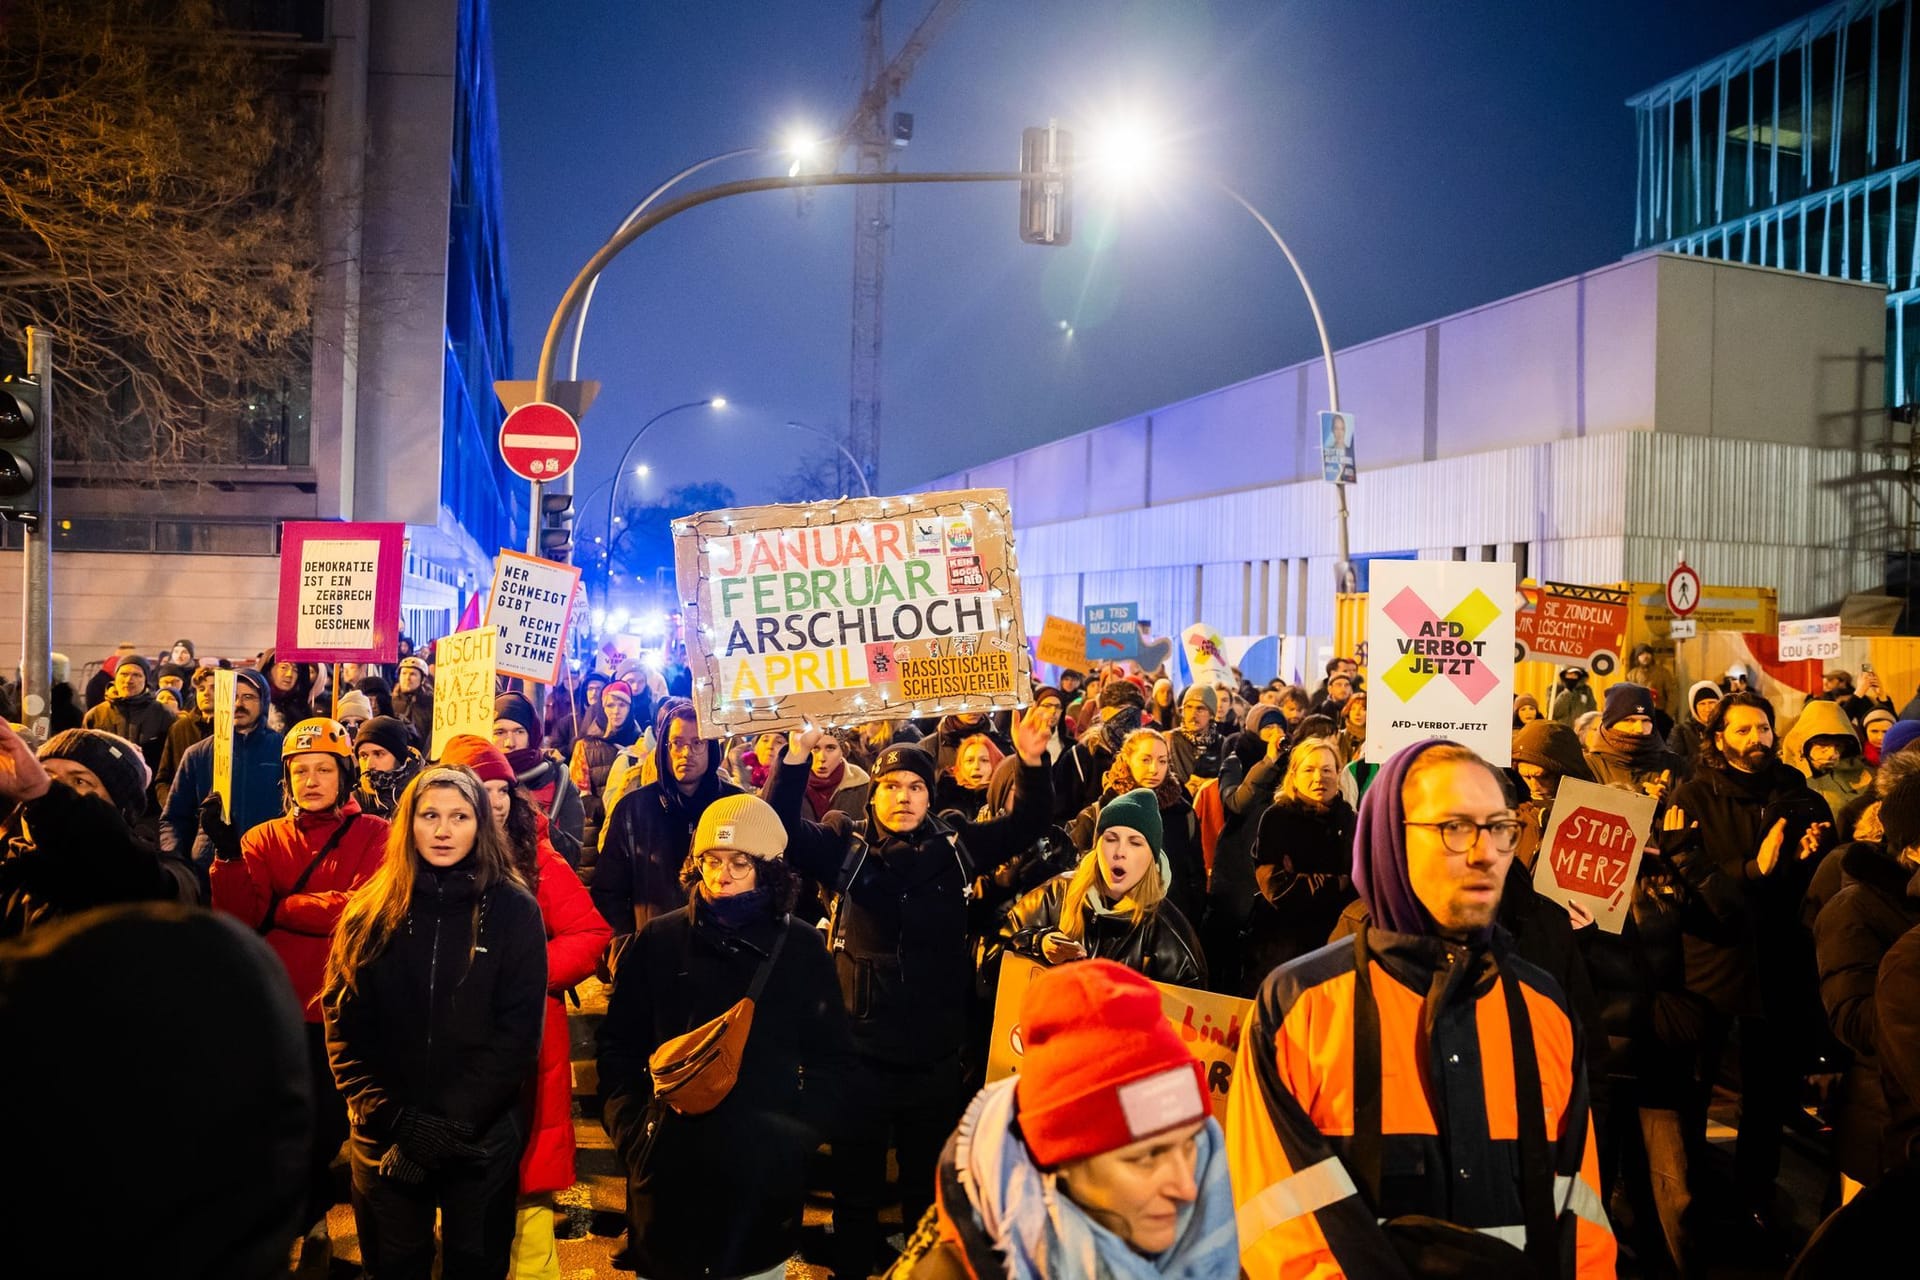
pixel 576 935
pixel 1101 1158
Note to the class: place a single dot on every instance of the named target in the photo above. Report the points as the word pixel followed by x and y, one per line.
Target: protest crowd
pixel 1440 1070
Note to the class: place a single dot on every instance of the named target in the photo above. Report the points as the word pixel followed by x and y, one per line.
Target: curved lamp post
pixel 613 493
pixel 858 470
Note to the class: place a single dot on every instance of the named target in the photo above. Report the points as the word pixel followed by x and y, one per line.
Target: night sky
pixel 1421 158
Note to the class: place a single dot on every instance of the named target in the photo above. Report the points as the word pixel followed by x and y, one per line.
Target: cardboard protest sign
pixel 1590 850
pixel 861 609
pixel 1113 634
pixel 530 604
pixel 1809 639
pixel 339 592
pixel 1063 644
pixel 1572 626
pixel 1440 649
pixel 463 682
pixel 1209 1024
pixel 225 686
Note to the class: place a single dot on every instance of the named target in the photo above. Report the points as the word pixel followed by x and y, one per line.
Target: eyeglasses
pixel 1460 835
pixel 736 867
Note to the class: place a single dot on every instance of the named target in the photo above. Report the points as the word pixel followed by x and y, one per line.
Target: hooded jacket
pixel 256 785
pixel 649 834
pixel 1850 776
pixel 1448 1117
pixel 293 705
pixel 1688 729
pixel 1163 947
pixel 137 718
pixel 1303 859
pixel 256 887
pixel 1851 937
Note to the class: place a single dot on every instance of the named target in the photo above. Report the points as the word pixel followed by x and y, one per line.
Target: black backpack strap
pixel 759 983
pixel 1367 1138
pixel 1536 1164
pixel 300 885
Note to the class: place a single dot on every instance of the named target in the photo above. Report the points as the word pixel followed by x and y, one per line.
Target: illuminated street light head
pixel 1124 152
pixel 718 402
pixel 643 471
pixel 805 149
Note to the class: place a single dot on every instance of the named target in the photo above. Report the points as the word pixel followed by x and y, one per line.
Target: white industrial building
pixel 1587 431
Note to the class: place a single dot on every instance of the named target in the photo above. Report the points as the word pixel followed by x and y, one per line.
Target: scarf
pixel 523 761
pixel 736 910
pixel 1640 749
pixel 385 785
pixel 1115 729
pixel 1045 1236
pixel 820 789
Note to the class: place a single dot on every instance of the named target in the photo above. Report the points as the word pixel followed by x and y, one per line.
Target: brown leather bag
pixel 693 1073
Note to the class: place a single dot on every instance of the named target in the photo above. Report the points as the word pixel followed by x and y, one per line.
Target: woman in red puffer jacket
pixel 576 936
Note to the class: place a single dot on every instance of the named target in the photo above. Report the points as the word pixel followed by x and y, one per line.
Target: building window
pixel 86 533
pixel 216 539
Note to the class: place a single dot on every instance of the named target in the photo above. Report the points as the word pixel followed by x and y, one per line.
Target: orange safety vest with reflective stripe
pixel 1449 1123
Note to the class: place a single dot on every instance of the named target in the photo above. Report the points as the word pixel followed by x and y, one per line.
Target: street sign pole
pixel 36 661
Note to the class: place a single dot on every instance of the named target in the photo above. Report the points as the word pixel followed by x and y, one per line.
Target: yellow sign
pixel 1063 644
pixel 225 686
pixel 1210 1025
pixel 463 685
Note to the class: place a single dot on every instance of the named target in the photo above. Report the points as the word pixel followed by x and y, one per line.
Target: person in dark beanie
pixel 733 936
pixel 1544 752
pixel 1102 1157
pixel 1690 721
pixel 130 710
pixel 1627 754
pixel 637 875
pixel 1079 776
pixel 257 795
pixel 1114 904
pixel 1430 854
pixel 387 761
pixel 1851 936
pixel 75 847
pixel 542 774
pixel 902 878
pixel 200 1151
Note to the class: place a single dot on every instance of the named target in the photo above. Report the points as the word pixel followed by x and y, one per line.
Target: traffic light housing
pixel 1046 187
pixel 556 526
pixel 22 419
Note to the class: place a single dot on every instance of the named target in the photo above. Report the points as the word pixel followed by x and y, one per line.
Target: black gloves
pixel 219 832
pixel 395 1165
pixel 433 1140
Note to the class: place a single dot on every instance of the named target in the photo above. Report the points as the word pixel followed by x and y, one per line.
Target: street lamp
pixel 613 492
pixel 858 470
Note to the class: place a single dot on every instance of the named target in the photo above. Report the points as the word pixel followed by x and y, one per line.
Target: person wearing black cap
pixel 75 847
pixel 1627 754
pixel 131 711
pixel 898 933
pixel 387 760
pixel 541 774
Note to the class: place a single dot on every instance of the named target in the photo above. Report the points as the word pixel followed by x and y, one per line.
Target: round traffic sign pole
pixel 540 442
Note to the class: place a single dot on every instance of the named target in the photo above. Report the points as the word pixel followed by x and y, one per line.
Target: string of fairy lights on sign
pixel 775 602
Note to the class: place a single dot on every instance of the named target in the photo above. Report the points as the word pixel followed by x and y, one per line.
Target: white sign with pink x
pixel 1440 656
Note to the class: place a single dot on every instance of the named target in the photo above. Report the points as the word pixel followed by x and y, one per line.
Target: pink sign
pixel 340 591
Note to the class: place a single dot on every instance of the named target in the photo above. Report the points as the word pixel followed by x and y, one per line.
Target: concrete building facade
pixel 1587 431
pixel 398 419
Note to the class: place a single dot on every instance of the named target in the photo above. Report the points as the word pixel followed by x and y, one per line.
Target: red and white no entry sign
pixel 540 441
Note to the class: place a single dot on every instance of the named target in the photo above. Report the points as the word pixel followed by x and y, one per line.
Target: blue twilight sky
pixel 1421 158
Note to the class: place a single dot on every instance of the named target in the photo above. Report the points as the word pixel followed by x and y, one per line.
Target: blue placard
pixel 1112 631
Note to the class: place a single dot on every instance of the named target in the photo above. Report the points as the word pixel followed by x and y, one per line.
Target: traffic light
pixel 1046 190
pixel 21 421
pixel 556 526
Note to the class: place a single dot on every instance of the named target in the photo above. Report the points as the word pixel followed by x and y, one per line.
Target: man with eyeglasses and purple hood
pixel 1412 1098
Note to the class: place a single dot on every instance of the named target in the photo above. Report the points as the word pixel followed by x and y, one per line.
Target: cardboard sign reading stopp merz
pixel 1590 850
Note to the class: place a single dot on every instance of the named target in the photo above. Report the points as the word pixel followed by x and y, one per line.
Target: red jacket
pixel 272 856
pixel 576 935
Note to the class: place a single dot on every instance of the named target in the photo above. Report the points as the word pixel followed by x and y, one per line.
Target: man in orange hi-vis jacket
pixel 1411 1101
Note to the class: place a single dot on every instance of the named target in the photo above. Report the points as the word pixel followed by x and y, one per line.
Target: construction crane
pixel 873 133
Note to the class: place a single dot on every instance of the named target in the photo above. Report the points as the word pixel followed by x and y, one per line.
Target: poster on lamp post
pixel 845 611
pixel 529 606
pixel 339 591
pixel 1440 656
pixel 463 684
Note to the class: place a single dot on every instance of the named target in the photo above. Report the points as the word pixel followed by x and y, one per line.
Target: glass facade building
pixel 1798 150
